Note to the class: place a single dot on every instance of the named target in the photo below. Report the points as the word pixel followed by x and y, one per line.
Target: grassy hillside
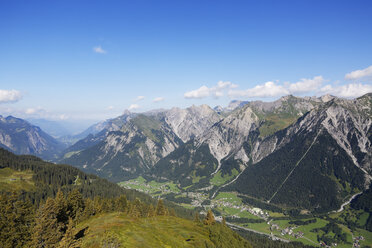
pixel 16 180
pixel 160 231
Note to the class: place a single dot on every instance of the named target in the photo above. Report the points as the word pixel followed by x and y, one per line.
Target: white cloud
pixel 202 92
pixel 63 117
pixel 158 99
pixel 99 49
pixel 348 90
pixel 7 96
pixel 215 91
pixel 268 89
pixel 358 74
pixel 30 111
pixel 37 112
pixel 110 107
pixel 275 89
pixel 306 85
pixel 139 98
pixel 134 107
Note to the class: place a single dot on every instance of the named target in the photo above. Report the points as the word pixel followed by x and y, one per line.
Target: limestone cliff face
pixel 246 135
pixel 347 121
pixel 191 122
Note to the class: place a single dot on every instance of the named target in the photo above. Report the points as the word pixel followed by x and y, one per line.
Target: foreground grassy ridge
pixel 160 231
pixel 16 180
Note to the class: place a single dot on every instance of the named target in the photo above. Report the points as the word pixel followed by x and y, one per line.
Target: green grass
pixel 69 154
pixel 219 180
pixel 153 188
pixel 16 180
pixel 228 197
pixel 275 214
pixel 160 231
pixel 275 122
pixel 147 125
pixel 366 234
pixel 363 218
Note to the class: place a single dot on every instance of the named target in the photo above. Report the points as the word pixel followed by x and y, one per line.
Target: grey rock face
pixel 191 122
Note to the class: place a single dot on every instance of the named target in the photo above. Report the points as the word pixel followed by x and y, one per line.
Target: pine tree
pixel 61 209
pixel 122 203
pixel 75 204
pixel 134 211
pixel 47 232
pixel 89 208
pixel 16 221
pixel 69 241
pixel 151 211
pixel 97 203
pixel 209 219
pixel 161 210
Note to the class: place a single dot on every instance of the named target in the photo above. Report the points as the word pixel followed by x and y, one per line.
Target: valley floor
pixel 276 225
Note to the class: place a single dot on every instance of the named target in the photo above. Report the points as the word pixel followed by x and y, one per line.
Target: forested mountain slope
pixel 48 205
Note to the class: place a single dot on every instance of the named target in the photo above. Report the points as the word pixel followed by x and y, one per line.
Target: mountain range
pixel 312 153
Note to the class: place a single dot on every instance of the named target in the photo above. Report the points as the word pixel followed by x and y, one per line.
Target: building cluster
pixel 259 213
pixel 356 241
pixel 286 231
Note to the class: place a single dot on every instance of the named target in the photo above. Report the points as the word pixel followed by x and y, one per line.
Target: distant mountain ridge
pixel 20 137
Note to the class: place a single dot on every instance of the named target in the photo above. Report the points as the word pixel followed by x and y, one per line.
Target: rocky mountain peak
pixel 191 122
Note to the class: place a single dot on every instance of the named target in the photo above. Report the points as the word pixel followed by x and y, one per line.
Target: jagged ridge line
pixel 298 162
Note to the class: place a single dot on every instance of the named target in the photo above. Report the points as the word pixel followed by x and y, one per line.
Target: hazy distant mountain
pixel 235 104
pixel 66 132
pixel 53 128
pixel 20 137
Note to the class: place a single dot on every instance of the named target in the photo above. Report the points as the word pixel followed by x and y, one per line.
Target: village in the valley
pixel 230 206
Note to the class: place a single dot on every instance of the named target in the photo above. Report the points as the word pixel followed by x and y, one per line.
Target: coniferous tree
pixel 97 205
pixel 16 220
pixel 75 204
pixel 69 241
pixel 89 208
pixel 151 211
pixel 209 219
pixel 134 210
pixel 48 231
pixel 122 203
pixel 61 210
pixel 161 210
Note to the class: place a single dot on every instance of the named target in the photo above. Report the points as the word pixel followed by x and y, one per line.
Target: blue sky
pixel 90 60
